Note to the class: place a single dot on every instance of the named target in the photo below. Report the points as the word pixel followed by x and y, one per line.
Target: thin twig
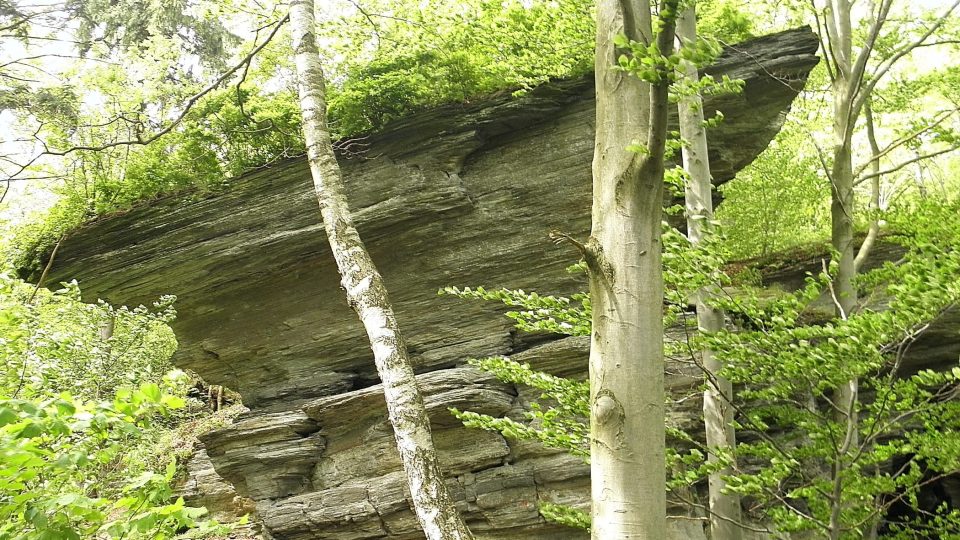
pixel 46 269
pixel 188 106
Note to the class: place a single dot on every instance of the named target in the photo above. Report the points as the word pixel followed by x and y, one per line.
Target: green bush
pixel 75 401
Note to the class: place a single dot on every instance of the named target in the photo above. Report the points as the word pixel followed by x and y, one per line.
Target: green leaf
pixel 30 430
pixel 172 402
pixel 7 416
pixel 152 392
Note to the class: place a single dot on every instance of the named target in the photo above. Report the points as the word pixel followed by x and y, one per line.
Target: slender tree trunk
pixel 718 395
pixel 106 329
pixel 852 85
pixel 874 208
pixel 842 213
pixel 841 175
pixel 367 295
pixel 626 285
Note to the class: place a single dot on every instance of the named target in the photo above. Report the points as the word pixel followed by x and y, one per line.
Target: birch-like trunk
pixel 626 285
pixel 718 395
pixel 367 295
pixel 107 327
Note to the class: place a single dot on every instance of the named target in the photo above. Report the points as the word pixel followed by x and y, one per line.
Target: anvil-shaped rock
pixel 461 195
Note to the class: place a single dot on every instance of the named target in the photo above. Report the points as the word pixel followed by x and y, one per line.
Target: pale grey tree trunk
pixel 718 395
pixel 842 210
pixel 852 86
pixel 106 328
pixel 367 295
pixel 626 285
pixel 874 206
pixel 842 207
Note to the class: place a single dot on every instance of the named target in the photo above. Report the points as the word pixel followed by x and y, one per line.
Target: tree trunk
pixel 842 214
pixel 367 295
pixel 718 395
pixel 875 220
pixel 106 328
pixel 626 286
pixel 842 211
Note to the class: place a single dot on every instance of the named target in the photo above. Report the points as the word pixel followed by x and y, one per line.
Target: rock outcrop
pixel 460 195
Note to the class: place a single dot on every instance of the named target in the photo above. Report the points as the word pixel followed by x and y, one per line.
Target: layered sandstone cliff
pixel 461 195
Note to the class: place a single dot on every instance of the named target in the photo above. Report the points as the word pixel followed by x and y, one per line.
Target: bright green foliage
pixel 926 224
pixel 225 136
pixel 725 21
pixel 688 268
pixel 706 86
pixel 443 51
pixel 220 140
pixel 74 404
pixel 685 270
pixel 789 372
pixel 555 314
pixel 646 62
pixel 384 62
pixel 59 458
pixel 779 201
pixel 248 130
pixel 58 346
pixel 565 515
pixel 559 418
pixel 393 58
pixel 788 362
pixel 28 249
pixel 562 424
pixel 782 199
pixel 128 24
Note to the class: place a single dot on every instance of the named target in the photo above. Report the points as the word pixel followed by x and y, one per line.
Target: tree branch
pixel 874 231
pixel 878 154
pixel 885 65
pixel 188 106
pixel 908 162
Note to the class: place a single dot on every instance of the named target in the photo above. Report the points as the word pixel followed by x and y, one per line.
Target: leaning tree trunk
pixel 367 295
pixel 718 395
pixel 626 286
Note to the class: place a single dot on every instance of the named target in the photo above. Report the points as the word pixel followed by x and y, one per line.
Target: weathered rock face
pixel 455 196
pixel 462 195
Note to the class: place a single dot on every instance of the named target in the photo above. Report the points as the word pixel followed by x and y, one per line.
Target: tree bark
pixel 846 74
pixel 367 295
pixel 106 328
pixel 875 221
pixel 628 475
pixel 718 395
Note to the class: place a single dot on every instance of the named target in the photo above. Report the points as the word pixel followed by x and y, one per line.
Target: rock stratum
pixel 460 195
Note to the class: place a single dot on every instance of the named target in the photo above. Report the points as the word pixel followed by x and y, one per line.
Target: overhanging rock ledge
pixel 460 195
